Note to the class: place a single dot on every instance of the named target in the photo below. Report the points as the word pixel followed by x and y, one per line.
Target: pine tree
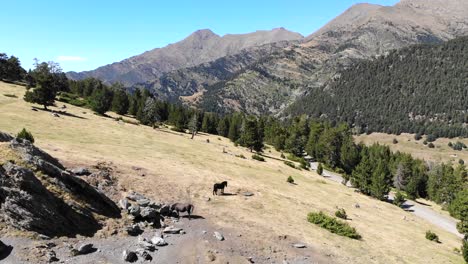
pixel 380 186
pixel 361 177
pixel 320 169
pixel 250 137
pixel 120 102
pixel 223 127
pixel 193 125
pixel 101 100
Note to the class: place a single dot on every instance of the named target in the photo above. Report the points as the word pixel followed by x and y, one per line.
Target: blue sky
pixel 85 34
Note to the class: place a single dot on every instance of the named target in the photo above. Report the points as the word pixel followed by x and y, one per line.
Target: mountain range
pixel 267 71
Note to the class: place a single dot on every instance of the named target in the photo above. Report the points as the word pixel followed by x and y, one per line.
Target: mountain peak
pixel 204 33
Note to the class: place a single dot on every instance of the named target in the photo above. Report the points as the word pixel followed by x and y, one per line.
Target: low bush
pixel 431 145
pixel 399 199
pixel 464 250
pixel 418 136
pixel 290 179
pixel 432 236
pixel 72 99
pixel 241 156
pixel 24 134
pixel 341 213
pixel 282 156
pixel 395 141
pixel 257 157
pixel 333 225
pixel 290 164
pixel 320 169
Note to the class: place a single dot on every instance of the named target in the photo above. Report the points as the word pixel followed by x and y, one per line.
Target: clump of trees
pixel 10 68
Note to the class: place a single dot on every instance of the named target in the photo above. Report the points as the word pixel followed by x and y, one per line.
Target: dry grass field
pixel 406 143
pixel 179 169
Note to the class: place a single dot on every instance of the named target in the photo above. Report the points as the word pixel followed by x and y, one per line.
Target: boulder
pixel 51 256
pixel 218 236
pixel 172 230
pixel 165 210
pixel 134 230
pixel 134 210
pixel 124 204
pixel 148 213
pixel 144 254
pixel 143 202
pixel 143 243
pixel 129 256
pixel 134 196
pixel 4 137
pixel 299 245
pixel 4 249
pixel 81 171
pixel 28 204
pixel 158 241
pixel 248 194
pixel 86 249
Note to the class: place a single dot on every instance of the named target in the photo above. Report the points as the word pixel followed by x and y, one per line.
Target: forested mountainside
pixel 269 83
pixel 419 89
pixel 200 47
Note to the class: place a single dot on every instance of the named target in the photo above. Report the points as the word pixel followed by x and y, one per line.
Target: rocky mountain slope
pixel 201 46
pixel 268 84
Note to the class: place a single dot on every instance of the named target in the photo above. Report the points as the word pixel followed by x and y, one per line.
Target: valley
pixel 179 169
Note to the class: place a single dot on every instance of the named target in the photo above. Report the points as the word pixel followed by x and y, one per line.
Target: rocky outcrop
pixel 38 194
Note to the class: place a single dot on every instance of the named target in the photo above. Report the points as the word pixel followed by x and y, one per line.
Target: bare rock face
pixel 37 194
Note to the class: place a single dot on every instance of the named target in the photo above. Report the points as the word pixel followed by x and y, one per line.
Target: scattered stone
pixel 124 203
pixel 148 213
pixel 134 196
pixel 357 206
pixel 134 230
pixel 55 115
pixel 285 262
pixel 43 237
pixel 158 241
pixel 143 202
pixel 299 245
pixel 218 236
pixel 86 249
pixel 211 256
pixel 182 232
pixel 208 199
pixel 146 245
pixel 248 194
pixel 251 260
pixel 144 254
pixel 51 256
pixel 172 230
pixel 81 171
pixel 129 256
pixel 134 210
pixel 204 232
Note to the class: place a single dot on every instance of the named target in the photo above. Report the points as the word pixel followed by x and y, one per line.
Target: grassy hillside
pixel 179 169
pixel 406 143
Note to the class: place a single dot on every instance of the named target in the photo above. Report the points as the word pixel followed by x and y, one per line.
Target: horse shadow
pixel 6 252
pixel 192 217
pixel 228 194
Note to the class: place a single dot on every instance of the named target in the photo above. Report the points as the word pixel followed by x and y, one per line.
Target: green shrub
pixel 431 138
pixel 241 156
pixel 320 169
pixel 425 142
pixel 24 134
pixel 461 162
pixel 290 164
pixel 395 141
pixel 257 157
pixel 399 199
pixel 432 236
pixel 464 250
pixel 341 213
pixel 290 179
pixel 430 145
pixel 282 156
pixel 418 136
pixel 333 225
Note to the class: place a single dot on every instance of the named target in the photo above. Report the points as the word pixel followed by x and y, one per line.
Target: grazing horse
pixel 182 207
pixel 219 186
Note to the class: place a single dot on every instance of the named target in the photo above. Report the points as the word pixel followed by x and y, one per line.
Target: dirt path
pixel 418 209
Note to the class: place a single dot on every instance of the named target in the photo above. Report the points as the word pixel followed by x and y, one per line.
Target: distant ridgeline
pixel 419 89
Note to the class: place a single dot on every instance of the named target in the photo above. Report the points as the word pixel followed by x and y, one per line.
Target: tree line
pixel 418 89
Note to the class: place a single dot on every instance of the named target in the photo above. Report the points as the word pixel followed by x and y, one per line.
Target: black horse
pixel 182 207
pixel 219 186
